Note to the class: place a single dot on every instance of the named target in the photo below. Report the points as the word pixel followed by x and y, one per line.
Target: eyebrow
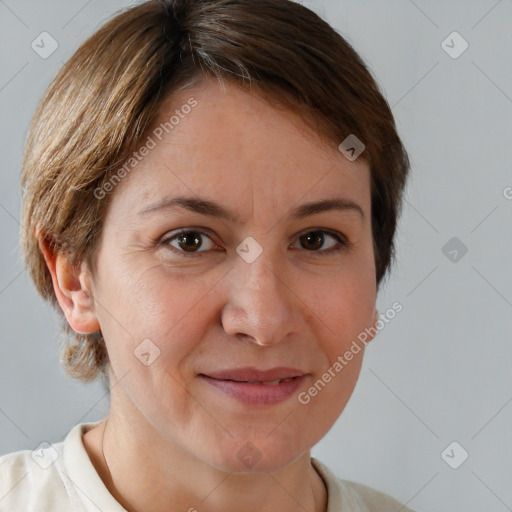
pixel 213 209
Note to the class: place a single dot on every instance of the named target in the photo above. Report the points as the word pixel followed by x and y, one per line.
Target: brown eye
pixel 312 240
pixel 323 242
pixel 189 241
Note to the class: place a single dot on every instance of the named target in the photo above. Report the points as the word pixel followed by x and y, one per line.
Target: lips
pixel 256 387
pixel 271 376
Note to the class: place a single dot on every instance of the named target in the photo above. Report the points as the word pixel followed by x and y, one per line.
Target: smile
pixel 256 387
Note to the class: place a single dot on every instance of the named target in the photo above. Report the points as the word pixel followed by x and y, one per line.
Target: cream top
pixel 61 477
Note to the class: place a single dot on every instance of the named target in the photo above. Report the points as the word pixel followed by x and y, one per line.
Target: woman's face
pixel 256 281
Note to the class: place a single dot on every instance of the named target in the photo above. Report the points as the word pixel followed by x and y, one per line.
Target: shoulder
pixel 355 497
pixel 28 475
pixel 48 478
pixel 374 500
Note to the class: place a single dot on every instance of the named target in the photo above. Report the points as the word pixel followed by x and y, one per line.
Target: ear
pixel 72 287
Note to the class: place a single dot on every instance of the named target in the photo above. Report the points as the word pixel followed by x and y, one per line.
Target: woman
pixel 210 193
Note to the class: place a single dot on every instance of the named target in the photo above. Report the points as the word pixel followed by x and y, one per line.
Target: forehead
pixel 226 142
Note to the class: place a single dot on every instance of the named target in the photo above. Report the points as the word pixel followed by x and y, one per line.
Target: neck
pixel 145 473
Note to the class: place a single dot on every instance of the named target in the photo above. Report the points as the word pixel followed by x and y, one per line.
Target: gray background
pixel 440 371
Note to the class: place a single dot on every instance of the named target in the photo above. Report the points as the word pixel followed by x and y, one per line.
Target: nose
pixel 262 307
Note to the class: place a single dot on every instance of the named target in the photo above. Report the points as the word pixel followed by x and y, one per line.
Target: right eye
pixel 187 242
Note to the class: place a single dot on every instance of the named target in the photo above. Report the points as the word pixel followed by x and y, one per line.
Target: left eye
pixel 312 241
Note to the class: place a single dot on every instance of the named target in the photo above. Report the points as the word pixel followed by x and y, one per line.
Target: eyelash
pixel 343 242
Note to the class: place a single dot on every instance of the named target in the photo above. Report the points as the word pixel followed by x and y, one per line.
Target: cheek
pixel 342 308
pixel 345 306
pixel 325 398
pixel 153 326
pixel 169 310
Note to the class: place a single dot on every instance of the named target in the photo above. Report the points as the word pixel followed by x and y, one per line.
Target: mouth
pixel 264 382
pixel 250 374
pixel 257 387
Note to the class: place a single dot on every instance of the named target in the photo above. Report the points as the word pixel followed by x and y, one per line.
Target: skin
pixel 171 440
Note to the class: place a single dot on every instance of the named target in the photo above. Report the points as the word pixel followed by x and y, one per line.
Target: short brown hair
pixel 98 107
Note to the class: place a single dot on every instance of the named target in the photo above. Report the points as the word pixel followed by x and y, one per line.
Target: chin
pixel 258 455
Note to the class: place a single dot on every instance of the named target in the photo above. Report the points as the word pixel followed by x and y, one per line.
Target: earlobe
pixel 71 289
